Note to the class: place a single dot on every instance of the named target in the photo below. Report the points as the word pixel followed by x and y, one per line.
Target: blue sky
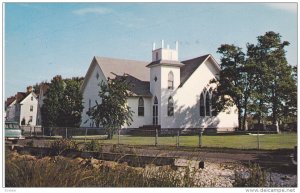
pixel 46 39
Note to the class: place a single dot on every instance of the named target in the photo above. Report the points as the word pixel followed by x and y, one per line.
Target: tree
pixel 260 83
pixel 63 103
pixel 275 81
pixel 232 79
pixel 112 112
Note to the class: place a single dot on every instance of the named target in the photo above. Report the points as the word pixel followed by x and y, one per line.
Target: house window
pixel 202 106
pixel 170 80
pixel 30 119
pixel 170 106
pixel 31 108
pixel 97 75
pixel 141 107
pixel 32 98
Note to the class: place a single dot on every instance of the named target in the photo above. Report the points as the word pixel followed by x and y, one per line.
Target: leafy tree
pixel 63 103
pixel 112 112
pixel 231 82
pixel 275 82
pixel 260 83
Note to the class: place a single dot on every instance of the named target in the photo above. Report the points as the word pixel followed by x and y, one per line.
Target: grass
pixel 267 141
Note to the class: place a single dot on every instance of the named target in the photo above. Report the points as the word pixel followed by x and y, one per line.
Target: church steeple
pixel 164 53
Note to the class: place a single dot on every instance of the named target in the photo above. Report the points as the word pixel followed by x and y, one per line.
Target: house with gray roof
pixel 166 93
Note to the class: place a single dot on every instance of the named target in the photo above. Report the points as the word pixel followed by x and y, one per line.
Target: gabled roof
pixel 20 96
pixel 111 66
pixel 24 95
pixel 9 100
pixel 191 65
pixel 138 87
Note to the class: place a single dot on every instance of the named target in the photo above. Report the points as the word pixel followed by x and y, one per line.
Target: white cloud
pixel 290 7
pixel 97 11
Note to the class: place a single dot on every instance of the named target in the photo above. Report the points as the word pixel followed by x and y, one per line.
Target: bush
pixel 93 145
pixel 60 145
pixel 257 177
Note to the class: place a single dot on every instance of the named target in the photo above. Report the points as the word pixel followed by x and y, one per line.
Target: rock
pixel 186 163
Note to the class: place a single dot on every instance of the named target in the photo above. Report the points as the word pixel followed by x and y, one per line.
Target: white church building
pixel 166 93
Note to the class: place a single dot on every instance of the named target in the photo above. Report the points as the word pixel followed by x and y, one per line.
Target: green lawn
pixel 268 141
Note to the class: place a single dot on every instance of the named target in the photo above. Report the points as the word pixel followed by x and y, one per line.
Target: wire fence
pixel 172 137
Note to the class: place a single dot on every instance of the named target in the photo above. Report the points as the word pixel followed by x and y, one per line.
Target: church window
pixel 202 106
pixel 213 103
pixel 31 108
pixel 155 78
pixel 141 107
pixel 170 80
pixel 97 75
pixel 207 104
pixel 170 106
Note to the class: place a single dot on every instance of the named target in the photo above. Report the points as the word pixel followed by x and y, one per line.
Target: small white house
pixel 22 108
pixel 167 92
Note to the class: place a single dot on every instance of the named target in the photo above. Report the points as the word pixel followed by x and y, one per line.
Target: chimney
pixel 153 47
pixel 29 89
pixel 176 45
pixel 162 44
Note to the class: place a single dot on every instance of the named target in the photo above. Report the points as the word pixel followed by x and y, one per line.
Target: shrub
pixel 60 145
pixel 93 145
pixel 257 177
pixel 30 143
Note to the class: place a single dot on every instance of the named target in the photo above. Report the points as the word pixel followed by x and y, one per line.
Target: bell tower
pixel 164 76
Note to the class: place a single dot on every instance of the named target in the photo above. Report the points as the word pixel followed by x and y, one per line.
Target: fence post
pixel 43 131
pixel 258 139
pixel 177 141
pixel 34 130
pixel 156 136
pixel 30 131
pixel 200 138
pixel 66 132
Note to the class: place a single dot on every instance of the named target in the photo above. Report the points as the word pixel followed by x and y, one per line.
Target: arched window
pixel 207 104
pixel 213 103
pixel 170 80
pixel 202 106
pixel 170 106
pixel 141 107
pixel 155 100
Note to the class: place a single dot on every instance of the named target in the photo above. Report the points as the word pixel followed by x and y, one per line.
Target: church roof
pixel 165 62
pixel 138 87
pixel 190 66
pixel 112 67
